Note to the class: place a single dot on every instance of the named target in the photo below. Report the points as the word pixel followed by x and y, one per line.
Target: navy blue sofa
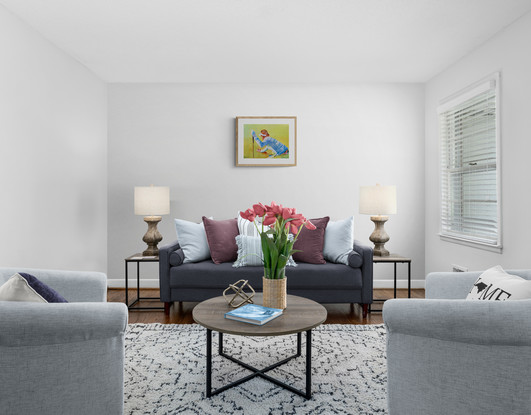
pixel 324 283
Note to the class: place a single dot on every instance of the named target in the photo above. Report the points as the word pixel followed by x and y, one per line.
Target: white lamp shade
pixel 152 200
pixel 378 200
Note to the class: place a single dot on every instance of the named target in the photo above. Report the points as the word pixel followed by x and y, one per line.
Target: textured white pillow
pixel 248 228
pixel 250 252
pixel 17 288
pixel 192 240
pixel 339 240
pixel 496 284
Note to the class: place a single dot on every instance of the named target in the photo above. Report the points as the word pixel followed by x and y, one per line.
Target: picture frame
pixel 266 141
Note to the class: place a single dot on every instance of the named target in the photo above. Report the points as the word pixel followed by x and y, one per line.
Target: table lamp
pixel 152 201
pixel 378 201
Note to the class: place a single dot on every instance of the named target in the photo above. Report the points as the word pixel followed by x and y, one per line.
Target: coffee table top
pixel 301 314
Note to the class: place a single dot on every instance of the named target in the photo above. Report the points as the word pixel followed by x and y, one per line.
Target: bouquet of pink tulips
pixel 277 246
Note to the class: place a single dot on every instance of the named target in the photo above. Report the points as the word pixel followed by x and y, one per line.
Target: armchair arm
pixel 164 269
pixel 458 356
pixel 62 358
pixel 366 270
pixel 35 324
pixel 74 286
pixel 464 321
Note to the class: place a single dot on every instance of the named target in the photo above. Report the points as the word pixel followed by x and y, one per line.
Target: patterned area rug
pixel 165 372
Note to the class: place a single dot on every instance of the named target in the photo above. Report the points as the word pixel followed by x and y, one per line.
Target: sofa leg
pixel 365 309
pixel 167 308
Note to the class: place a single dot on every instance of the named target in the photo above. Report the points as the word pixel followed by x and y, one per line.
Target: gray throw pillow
pixel 339 240
pixel 193 241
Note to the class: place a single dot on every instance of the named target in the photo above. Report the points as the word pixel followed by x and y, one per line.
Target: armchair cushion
pixel 25 287
pixel 495 284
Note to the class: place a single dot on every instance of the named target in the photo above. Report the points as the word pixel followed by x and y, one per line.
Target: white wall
pixel 183 136
pixel 53 170
pixel 508 52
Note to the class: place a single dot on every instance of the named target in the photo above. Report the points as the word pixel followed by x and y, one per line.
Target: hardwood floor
pixel 181 313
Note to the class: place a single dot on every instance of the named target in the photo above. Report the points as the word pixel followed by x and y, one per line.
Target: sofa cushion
pixel 26 287
pixel 311 242
pixel 221 235
pixel 339 240
pixel 206 274
pixel 193 241
pixel 496 284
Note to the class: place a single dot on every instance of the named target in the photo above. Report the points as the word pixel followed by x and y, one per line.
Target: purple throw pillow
pixel 221 236
pixel 311 243
pixel 48 293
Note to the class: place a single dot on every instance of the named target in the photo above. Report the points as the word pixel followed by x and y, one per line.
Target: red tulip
pixel 276 209
pixel 259 209
pixel 249 214
pixel 310 225
pixel 288 213
pixel 270 219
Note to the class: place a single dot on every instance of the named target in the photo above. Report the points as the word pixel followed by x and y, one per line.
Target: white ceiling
pixel 267 40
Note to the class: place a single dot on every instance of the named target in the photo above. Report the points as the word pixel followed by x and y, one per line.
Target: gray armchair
pixel 62 358
pixel 446 355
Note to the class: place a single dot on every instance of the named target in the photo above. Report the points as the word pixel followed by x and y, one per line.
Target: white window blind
pixel 470 188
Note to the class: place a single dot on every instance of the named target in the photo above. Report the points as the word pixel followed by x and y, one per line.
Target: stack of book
pixel 254 314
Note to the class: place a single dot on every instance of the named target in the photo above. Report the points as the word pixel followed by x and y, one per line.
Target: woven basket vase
pixel 275 293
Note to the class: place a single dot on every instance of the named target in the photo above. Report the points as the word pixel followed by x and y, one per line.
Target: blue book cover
pixel 254 314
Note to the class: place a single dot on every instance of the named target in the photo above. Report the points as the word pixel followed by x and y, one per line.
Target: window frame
pixel 452 102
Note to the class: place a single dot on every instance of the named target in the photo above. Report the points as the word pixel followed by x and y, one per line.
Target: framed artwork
pixel 266 141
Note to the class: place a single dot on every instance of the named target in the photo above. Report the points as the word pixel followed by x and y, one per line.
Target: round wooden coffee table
pixel 301 315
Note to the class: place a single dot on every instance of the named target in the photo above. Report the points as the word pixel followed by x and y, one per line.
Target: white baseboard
pixel 153 283
pixel 144 283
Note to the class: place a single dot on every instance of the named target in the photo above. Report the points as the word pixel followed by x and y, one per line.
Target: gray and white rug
pixel 165 372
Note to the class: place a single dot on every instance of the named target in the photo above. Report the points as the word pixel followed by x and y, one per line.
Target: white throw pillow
pixel 250 252
pixel 339 240
pixel 248 228
pixel 496 284
pixel 17 288
pixel 192 240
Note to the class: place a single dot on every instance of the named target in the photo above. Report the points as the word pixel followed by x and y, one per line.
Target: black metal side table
pixel 394 259
pixel 138 258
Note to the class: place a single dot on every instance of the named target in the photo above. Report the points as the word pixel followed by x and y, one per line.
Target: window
pixel 470 185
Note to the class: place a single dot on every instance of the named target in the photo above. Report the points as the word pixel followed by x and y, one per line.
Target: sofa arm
pixel 365 252
pixel 164 269
pixel 464 321
pixel 74 286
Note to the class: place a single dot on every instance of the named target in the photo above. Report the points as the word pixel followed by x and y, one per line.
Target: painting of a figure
pixel 266 141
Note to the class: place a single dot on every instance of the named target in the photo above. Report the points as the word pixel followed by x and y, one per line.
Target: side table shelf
pixel 393 259
pixel 138 258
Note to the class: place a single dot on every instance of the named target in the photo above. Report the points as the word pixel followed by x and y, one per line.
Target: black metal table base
pixel 131 307
pixel 260 372
pixel 394 291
